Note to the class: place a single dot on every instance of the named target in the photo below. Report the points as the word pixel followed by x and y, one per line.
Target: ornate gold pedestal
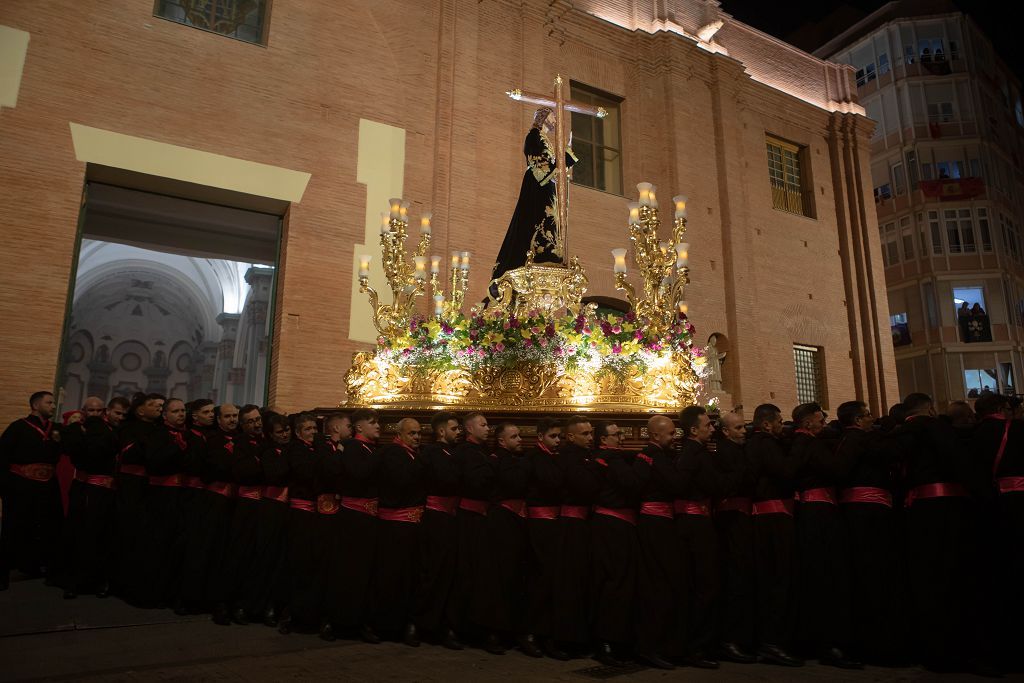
pixel 546 288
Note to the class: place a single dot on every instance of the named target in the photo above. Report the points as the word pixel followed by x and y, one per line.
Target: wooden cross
pixel 563 129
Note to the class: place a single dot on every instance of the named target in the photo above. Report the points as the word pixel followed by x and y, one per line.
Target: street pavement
pixel 44 637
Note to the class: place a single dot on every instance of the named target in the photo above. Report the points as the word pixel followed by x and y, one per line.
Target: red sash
pixel 542 512
pixel 35 471
pixel 327 504
pixel 222 488
pixel 134 470
pixel 744 505
pixel 656 508
pixel 172 480
pixel 574 511
pixel 516 506
pixel 445 504
pixel 471 505
pixel 819 495
pixel 773 507
pixel 1010 484
pixel 300 504
pixel 937 490
pixel 625 514
pixel 1002 444
pixel 104 480
pixel 367 506
pixel 692 507
pixel 195 482
pixel 411 514
pixel 866 494
pixel 250 492
pixel 45 433
pixel 276 493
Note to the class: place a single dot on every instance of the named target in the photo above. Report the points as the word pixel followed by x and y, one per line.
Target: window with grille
pixel 787 177
pixel 597 142
pixel 810 375
pixel 240 19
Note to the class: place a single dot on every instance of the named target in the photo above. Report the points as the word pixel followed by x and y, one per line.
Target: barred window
pixel 787 178
pixel 597 141
pixel 810 375
pixel 245 20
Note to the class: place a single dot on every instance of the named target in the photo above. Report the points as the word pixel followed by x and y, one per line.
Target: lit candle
pixel 364 265
pixel 680 202
pixel 455 260
pixel 465 261
pixel 664 247
pixel 435 264
pixel 634 213
pixel 620 260
pixel 385 222
pixel 645 190
pixel 682 255
pixel 421 267
pixel 438 304
pixel 425 224
pixel 653 198
pixel 403 211
pixel 396 207
pixel 683 307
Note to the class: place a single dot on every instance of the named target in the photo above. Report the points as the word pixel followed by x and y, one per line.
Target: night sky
pixel 991 15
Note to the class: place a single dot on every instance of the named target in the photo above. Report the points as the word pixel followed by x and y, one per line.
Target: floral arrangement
pixel 598 342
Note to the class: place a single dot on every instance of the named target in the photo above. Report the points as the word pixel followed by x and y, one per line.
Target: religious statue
pixel 714 359
pixel 534 229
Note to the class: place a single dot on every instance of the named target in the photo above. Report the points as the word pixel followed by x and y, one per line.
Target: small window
pixel 246 20
pixel 597 142
pixel 883 64
pixel 900 329
pixel 978 382
pixel 972 315
pixel 810 375
pixel 787 177
pixel 883 192
pixel 898 180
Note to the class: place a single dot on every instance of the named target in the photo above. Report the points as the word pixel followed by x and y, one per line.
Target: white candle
pixel 682 254
pixel 438 304
pixel 465 261
pixel 634 213
pixel 680 201
pixel 645 190
pixel 619 255
pixel 653 198
pixel 455 260
pixel 435 264
pixel 403 211
pixel 396 207
pixel 385 222
pixel 364 265
pixel 683 307
pixel 425 224
pixel 421 267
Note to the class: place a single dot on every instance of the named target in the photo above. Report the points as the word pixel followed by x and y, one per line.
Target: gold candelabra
pixel 664 266
pixel 406 279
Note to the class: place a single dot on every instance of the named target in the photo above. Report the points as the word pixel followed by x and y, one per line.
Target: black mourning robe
pixel 439 538
pixel 359 489
pixel 544 495
pixel 132 509
pixel 400 487
pixel 614 545
pixel 245 584
pixel 533 226
pixel 473 584
pixel 32 508
pixel 272 546
pixel 194 502
pixel 508 543
pixel 306 548
pixel 89 540
pixel 220 509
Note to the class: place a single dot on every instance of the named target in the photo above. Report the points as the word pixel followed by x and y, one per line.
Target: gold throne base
pixel 541 287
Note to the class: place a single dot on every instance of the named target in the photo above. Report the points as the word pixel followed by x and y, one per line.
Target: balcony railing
pixel 788 198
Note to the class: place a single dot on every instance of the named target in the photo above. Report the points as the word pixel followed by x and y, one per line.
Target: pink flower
pixel 507 324
pixel 527 342
pixel 543 343
pixel 616 329
pixel 638 335
pixel 616 348
pixel 499 347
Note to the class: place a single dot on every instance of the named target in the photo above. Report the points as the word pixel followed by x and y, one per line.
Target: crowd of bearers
pixel 775 541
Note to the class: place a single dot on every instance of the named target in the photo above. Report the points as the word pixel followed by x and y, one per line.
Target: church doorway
pixel 170 294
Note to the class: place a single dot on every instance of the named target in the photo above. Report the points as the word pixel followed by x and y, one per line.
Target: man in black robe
pixel 272 545
pixel 534 228
pixel 774 535
pixel 338 428
pixel 876 560
pixel 473 586
pixel 544 495
pixel 614 546
pixel 735 528
pixel 402 496
pixel 194 504
pixel 824 619
pixel 661 626
pixel 439 537
pixel 32 512
pixel 506 524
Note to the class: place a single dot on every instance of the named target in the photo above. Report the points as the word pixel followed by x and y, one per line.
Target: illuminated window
pixel 788 178
pixel 597 142
pixel 245 20
pixel 810 375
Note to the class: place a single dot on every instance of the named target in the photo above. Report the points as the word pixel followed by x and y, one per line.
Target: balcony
pixel 787 198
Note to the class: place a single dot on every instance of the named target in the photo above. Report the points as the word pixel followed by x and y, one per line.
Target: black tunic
pixel 508 543
pixel 473 586
pixel 533 225
pixel 735 530
pixel 32 511
pixel 543 494
pixel 195 501
pixel 400 484
pixel 614 545
pixel 89 541
pixel 245 584
pixel 220 509
pixel 360 465
pixel 132 509
pixel 439 539
pixel 306 548
pixel 273 530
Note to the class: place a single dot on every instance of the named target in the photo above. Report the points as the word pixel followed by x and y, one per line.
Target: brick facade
pixel 692 121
